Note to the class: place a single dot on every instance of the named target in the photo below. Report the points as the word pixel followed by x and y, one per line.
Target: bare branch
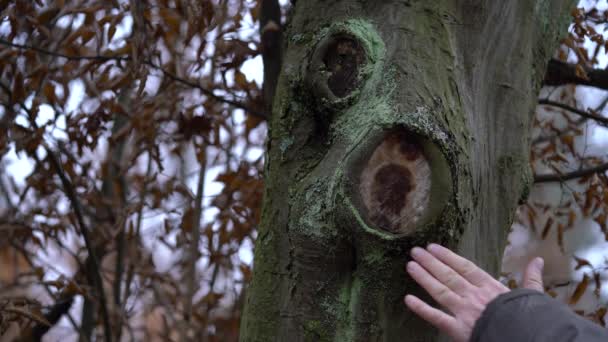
pixel 571 128
pixel 6 194
pixel 84 229
pixel 29 315
pixel 26 255
pixel 271 36
pixel 560 73
pixel 114 175
pixel 195 240
pixel 603 121
pixel 59 54
pixel 54 314
pixel 562 177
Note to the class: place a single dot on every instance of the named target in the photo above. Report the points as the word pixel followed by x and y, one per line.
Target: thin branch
pixel 142 202
pixel 195 239
pixel 561 73
pixel 84 229
pixel 560 133
pixel 25 254
pixel 208 92
pixel 54 314
pixel 6 194
pixel 599 119
pixel 562 177
pixel 21 312
pixel 59 54
pixel 149 63
pixel 115 174
pixel 271 36
pixel 71 194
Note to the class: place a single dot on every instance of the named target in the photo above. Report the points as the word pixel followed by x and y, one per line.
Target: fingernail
pixel 539 263
pixel 416 251
pixel 433 247
pixel 410 266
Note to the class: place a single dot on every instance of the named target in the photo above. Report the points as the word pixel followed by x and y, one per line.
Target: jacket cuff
pixel 499 309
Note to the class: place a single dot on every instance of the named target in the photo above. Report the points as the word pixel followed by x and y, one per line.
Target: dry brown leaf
pixel 580 290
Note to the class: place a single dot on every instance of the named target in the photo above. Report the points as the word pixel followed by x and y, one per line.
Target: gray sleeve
pixel 530 316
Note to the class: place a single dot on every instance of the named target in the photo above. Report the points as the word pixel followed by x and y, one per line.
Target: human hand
pixel 460 286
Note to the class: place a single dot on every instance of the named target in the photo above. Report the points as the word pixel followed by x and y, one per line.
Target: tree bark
pixel 395 123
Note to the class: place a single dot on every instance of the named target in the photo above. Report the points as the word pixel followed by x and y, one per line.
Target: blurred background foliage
pixel 132 149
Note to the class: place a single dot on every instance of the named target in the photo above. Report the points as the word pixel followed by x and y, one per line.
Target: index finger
pixel 464 267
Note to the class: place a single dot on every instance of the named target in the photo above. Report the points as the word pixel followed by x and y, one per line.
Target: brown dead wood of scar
pixel 395 183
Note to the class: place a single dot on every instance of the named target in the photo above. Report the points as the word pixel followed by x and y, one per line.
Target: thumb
pixel 533 277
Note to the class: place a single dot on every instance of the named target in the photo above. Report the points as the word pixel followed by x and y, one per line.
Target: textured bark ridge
pixel 395 123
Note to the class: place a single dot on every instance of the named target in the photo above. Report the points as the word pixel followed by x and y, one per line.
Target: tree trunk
pixel 395 123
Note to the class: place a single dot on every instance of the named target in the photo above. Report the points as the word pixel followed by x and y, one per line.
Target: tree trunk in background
pixel 395 123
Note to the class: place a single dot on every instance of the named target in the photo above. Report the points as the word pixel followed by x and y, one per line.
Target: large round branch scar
pixel 395 183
